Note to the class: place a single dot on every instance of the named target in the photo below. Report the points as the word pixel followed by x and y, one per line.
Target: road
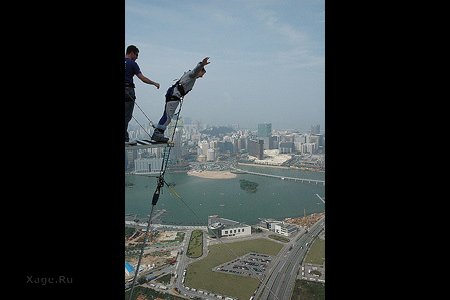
pixel 280 280
pixel 183 262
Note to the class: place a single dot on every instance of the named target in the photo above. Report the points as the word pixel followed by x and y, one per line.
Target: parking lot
pixel 251 264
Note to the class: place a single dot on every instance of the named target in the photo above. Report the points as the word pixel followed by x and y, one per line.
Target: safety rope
pixel 150 121
pixel 160 184
pixel 145 130
pixel 135 103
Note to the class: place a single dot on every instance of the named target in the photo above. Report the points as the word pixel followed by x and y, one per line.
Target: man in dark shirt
pixel 131 69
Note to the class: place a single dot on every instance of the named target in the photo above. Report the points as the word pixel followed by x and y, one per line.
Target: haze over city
pixel 267 60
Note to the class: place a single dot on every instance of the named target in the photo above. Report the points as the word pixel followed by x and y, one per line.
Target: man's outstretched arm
pixel 147 80
pixel 200 66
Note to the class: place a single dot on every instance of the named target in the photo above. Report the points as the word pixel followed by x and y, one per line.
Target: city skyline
pixel 253 127
pixel 267 60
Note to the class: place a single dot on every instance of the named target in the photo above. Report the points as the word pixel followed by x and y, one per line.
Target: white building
pixel 204 146
pixel 285 229
pixel 220 227
pixel 211 155
pixel 279 227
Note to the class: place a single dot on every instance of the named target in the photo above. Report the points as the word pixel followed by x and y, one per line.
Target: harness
pixel 179 86
pixel 129 92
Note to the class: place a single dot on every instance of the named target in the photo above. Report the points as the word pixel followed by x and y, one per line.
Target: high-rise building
pixel 265 134
pixel 176 153
pixel 265 130
pixel 204 146
pixel 211 155
pixel 242 144
pixel 256 148
pixel 274 142
pixel 286 147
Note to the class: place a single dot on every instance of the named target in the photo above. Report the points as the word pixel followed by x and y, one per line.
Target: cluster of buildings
pixel 222 228
pixel 245 145
pixel 219 227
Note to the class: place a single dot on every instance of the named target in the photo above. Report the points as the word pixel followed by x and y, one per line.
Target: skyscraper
pixel 265 134
pixel 255 148
pixel 265 130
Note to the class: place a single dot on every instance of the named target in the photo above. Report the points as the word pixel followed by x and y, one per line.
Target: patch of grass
pixel 195 247
pixel 316 254
pixel 306 290
pixel 164 279
pixel 279 238
pixel 200 275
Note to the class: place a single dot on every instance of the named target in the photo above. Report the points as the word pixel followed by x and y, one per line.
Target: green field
pixel 316 254
pixel 199 275
pixel 279 238
pixel 195 247
pixel 306 290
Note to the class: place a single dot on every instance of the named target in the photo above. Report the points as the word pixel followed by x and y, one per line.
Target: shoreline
pixel 212 174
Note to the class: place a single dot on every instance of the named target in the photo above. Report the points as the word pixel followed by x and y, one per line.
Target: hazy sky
pixel 267 59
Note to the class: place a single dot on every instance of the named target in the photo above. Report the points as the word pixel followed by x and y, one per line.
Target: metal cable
pixel 160 184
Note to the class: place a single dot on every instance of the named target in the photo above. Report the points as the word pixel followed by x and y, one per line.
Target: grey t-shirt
pixel 187 80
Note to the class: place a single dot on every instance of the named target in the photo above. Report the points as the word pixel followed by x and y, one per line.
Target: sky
pixel 267 59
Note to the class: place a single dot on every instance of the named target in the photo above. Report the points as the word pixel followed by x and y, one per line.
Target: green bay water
pixel 202 197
